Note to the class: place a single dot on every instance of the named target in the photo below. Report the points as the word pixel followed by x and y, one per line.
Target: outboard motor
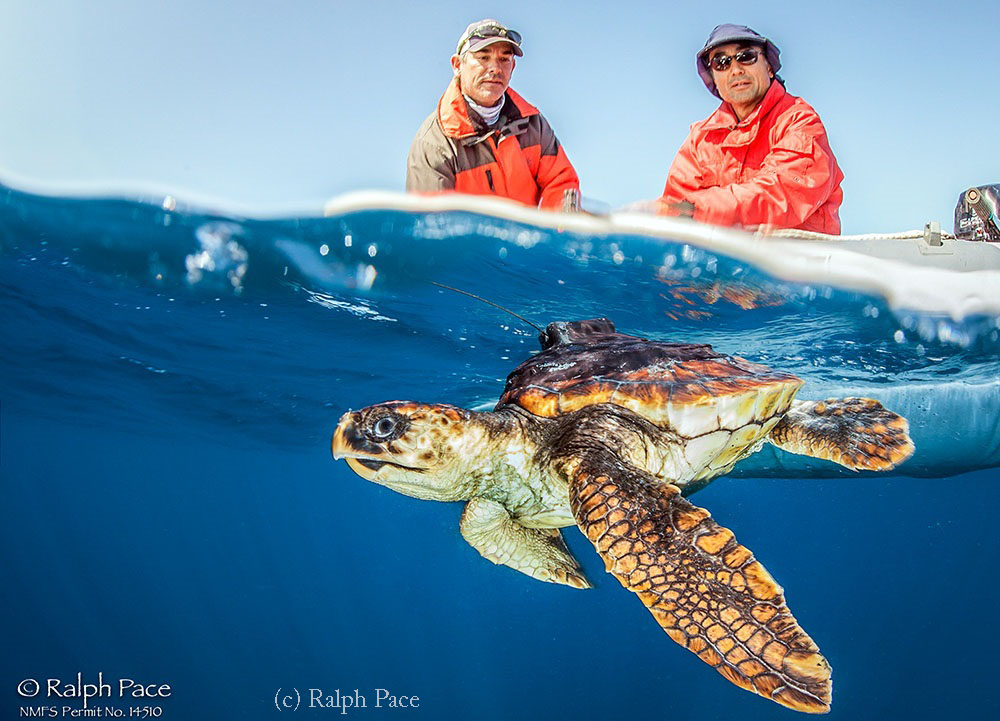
pixel 976 216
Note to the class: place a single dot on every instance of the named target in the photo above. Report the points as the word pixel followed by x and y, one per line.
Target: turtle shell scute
pixel 636 373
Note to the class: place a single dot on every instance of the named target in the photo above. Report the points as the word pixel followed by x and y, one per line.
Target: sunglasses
pixel 746 56
pixel 494 31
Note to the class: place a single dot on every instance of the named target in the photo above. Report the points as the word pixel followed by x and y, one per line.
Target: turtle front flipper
pixel 538 552
pixel 704 589
pixel 858 433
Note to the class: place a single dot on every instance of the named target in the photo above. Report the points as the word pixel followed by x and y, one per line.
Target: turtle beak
pixel 348 442
pixel 347 431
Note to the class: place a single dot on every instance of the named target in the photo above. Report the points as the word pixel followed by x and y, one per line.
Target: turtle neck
pixel 489 115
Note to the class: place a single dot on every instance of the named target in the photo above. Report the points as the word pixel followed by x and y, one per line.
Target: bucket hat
pixel 728 33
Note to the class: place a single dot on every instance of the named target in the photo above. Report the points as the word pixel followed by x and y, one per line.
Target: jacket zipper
pixel 489 173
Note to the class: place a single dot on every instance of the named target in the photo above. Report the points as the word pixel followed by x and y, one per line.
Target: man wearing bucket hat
pixel 763 157
pixel 484 138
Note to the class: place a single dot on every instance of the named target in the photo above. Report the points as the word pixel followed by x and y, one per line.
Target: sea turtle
pixel 611 432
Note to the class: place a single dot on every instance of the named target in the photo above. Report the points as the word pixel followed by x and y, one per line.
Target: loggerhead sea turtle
pixel 611 432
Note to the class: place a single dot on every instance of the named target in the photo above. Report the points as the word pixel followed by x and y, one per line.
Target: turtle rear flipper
pixel 704 589
pixel 858 433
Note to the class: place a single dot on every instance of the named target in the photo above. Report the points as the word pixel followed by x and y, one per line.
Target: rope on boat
pixel 810 235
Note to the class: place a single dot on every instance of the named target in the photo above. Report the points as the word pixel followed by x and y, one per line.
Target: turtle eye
pixel 384 427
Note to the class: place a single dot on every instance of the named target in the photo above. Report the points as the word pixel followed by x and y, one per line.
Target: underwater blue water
pixel 169 380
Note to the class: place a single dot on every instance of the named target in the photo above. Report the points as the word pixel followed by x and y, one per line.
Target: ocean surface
pixel 169 382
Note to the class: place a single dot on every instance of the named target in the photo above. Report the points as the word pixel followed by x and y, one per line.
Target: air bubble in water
pixel 221 257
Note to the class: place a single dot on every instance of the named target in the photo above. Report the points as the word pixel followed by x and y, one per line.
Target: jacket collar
pixel 725 117
pixel 455 117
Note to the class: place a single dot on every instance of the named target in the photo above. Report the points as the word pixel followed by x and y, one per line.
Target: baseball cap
pixel 486 32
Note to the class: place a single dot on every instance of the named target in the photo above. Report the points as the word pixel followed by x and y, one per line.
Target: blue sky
pixel 269 103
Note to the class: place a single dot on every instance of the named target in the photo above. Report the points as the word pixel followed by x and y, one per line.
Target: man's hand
pixel 684 209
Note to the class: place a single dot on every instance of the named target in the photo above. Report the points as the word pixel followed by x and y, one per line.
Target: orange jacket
pixel 519 158
pixel 774 168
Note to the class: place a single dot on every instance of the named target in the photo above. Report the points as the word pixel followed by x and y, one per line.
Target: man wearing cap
pixel 763 157
pixel 484 138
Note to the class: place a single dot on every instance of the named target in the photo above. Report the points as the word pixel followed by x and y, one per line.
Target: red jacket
pixel 519 158
pixel 774 168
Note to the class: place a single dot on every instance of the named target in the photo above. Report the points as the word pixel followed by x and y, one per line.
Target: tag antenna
pixel 488 302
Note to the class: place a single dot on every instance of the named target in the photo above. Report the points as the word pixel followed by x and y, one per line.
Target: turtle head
pixel 421 450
